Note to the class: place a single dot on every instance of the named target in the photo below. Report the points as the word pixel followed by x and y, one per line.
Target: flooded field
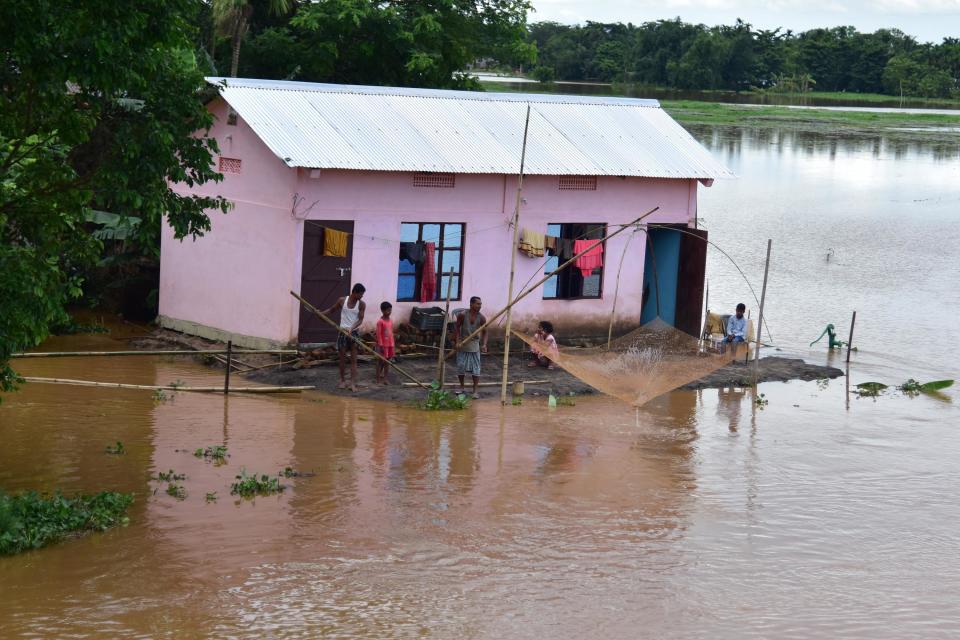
pixel 700 515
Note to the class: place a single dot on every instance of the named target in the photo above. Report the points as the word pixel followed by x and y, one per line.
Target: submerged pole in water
pixel 513 260
pixel 226 379
pixel 443 332
pixel 763 297
pixel 853 321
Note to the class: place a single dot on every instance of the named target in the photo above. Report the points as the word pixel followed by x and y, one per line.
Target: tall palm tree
pixel 232 18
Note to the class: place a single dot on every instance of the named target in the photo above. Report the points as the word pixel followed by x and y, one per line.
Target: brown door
pixel 325 278
pixel 692 268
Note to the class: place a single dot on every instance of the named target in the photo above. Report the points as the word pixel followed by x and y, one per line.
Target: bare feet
pixel 531 364
pixel 342 385
pixel 353 388
pixel 476 396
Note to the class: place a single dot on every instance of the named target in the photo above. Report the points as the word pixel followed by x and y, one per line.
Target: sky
pixel 926 20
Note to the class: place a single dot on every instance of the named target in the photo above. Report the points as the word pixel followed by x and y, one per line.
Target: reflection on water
pixel 699 515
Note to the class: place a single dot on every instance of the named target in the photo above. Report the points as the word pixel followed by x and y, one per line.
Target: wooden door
pixel 692 269
pixel 324 279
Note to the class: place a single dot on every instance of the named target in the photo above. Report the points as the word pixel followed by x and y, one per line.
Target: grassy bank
pixel 863 99
pixel 716 113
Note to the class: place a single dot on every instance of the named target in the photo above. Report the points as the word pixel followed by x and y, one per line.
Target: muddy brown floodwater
pixel 700 515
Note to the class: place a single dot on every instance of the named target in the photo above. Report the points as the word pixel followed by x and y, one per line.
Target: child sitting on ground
pixel 385 343
pixel 544 350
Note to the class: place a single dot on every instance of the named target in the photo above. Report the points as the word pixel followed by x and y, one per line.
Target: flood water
pixel 700 515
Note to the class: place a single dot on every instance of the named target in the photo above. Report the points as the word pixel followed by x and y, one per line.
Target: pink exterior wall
pixel 237 278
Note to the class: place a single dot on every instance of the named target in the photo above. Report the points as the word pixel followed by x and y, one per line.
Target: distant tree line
pixel 672 53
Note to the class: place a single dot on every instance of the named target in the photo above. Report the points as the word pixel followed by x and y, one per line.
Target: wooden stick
pixel 488 384
pixel 339 329
pixel 90 354
pixel 539 282
pixel 149 387
pixel 236 364
pixel 763 297
pixel 441 363
pixel 616 290
pixel 226 379
pixel 853 321
pixel 513 261
pixel 272 364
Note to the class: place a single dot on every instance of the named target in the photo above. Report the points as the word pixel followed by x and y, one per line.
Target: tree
pixel 99 106
pixel 232 19
pixel 396 42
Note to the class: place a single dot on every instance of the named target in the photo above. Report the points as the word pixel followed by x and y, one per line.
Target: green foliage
pixel 671 53
pixel 99 104
pixel 216 453
pixel 248 486
pixel 870 389
pixel 761 401
pixel 71 328
pixel 171 476
pixel 176 490
pixel 31 521
pixel 211 496
pixel 386 42
pixel 117 449
pixel 544 74
pixel 441 400
pixel 912 388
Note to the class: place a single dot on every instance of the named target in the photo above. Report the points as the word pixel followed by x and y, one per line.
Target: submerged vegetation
pixel 31 521
pixel 250 485
pixel 216 453
pixel 910 388
pixel 116 449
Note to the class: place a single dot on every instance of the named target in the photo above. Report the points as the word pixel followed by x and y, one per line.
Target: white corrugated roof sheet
pixel 329 126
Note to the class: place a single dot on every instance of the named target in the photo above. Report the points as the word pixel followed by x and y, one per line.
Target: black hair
pixel 547 326
pixel 385 305
pixel 741 307
pixel 358 288
pixel 474 299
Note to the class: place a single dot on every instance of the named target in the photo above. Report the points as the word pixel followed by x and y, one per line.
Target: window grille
pixel 229 165
pixel 578 183
pixel 434 180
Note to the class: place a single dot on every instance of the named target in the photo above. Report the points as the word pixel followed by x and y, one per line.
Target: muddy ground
pixel 325 376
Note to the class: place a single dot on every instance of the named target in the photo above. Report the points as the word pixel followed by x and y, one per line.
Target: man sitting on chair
pixel 737 326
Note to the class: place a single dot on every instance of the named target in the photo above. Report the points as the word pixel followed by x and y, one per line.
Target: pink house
pixel 406 171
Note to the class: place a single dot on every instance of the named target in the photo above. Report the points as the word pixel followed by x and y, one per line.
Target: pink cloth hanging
pixel 428 282
pixel 591 260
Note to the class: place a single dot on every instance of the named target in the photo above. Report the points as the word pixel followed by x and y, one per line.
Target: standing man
pixel 351 310
pixel 468 355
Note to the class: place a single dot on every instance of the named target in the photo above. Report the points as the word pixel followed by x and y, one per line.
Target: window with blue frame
pixel 448 241
pixel 570 283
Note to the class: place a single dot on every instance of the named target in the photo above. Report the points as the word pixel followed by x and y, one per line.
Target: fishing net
pixel 643 364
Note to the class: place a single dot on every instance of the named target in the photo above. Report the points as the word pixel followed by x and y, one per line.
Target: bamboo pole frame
pixel 441 363
pixel 616 290
pixel 339 329
pixel 513 261
pixel 179 352
pixel 763 298
pixel 539 282
pixel 150 387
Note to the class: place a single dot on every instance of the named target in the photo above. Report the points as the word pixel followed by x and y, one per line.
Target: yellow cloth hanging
pixel 532 243
pixel 335 243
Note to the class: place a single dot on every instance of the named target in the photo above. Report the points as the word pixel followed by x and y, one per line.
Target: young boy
pixel 385 342
pixel 737 325
pixel 545 350
pixel 468 357
pixel 351 310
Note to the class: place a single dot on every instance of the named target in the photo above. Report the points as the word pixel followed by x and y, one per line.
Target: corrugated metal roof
pixel 330 126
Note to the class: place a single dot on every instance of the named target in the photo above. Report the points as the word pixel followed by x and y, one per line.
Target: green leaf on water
pixel 935 385
pixel 871 386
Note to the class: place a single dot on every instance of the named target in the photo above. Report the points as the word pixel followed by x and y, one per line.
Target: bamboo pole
pixel 763 297
pixel 272 364
pixel 150 387
pixel 93 354
pixel 339 329
pixel 853 321
pixel 441 363
pixel 539 282
pixel 616 290
pixel 488 384
pixel 513 261
pixel 226 379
